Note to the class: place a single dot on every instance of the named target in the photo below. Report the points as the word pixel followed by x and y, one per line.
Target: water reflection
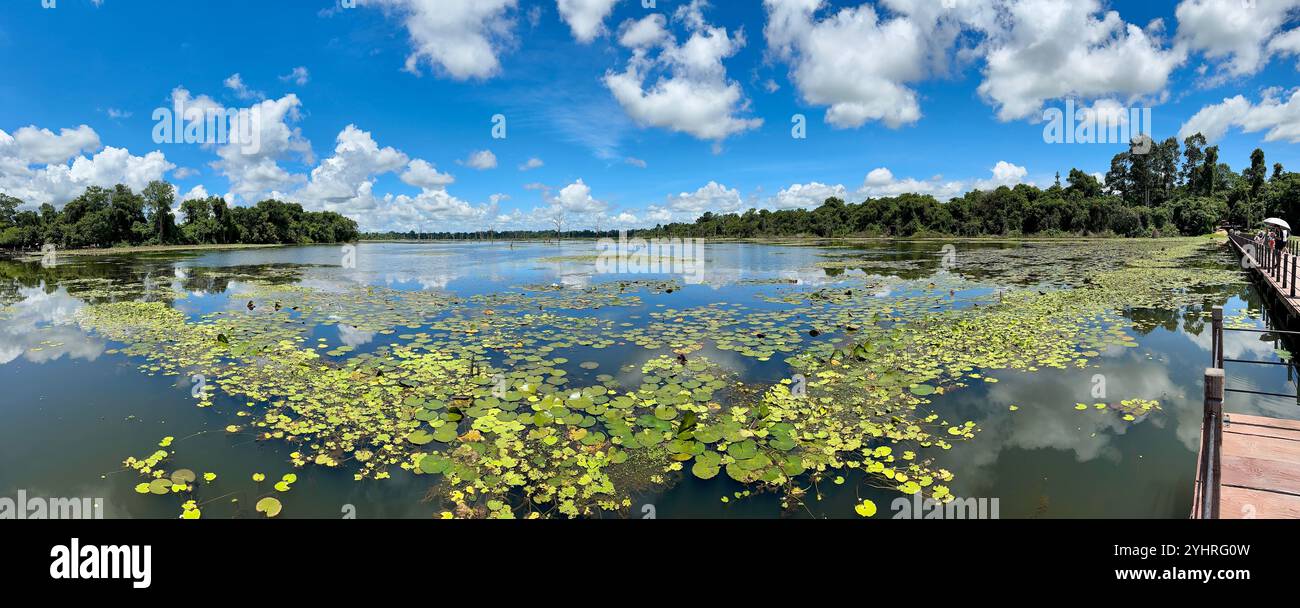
pixel 352 336
pixel 42 327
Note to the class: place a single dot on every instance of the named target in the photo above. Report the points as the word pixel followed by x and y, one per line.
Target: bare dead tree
pixel 557 218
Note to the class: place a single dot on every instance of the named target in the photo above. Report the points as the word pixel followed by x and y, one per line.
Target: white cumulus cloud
pixel 461 38
pixel 577 198
pixel 236 83
pixel 853 61
pixel 683 87
pixel 1052 49
pixel 1236 35
pixel 863 62
pixel 646 32
pixel 711 197
pixel 356 160
pixel 1276 114
pixel 34 167
pixel 586 18
pixel 807 196
pixel 42 146
pixel 481 160
pixel 422 174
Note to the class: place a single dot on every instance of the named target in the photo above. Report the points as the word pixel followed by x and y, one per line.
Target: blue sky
pixel 637 115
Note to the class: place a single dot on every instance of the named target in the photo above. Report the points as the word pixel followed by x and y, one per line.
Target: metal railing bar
pixel 1263 394
pixel 1256 362
pixel 1263 331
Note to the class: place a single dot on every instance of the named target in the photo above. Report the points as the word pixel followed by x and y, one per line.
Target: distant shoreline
pixel 757 241
pixel 139 249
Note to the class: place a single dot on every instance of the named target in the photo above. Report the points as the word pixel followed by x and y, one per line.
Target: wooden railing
pixel 1209 476
pixel 1211 444
pixel 1276 267
pixel 1212 424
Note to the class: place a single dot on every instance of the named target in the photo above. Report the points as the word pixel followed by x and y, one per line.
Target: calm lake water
pixel 74 407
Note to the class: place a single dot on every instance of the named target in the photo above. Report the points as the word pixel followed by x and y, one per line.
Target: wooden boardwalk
pixel 1277 272
pixel 1249 466
pixel 1259 469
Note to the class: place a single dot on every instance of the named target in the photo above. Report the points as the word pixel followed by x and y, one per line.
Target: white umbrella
pixel 1272 221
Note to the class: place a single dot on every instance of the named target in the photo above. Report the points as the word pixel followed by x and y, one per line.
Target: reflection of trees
pixel 113 279
pixel 1194 320
pixel 218 280
pixel 1146 320
pixel 78 276
pixel 1249 295
pixel 1194 317
pixel 33 273
pixel 104 279
pixel 205 282
pixel 906 260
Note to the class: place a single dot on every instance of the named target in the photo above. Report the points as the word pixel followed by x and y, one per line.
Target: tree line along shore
pixel 1171 189
pixel 102 218
pixel 1154 189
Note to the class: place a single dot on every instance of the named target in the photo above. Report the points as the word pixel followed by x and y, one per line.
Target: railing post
pixel 1216 337
pixel 1211 443
pixel 1293 265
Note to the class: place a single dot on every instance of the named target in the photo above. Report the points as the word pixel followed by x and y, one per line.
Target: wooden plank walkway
pixel 1280 285
pixel 1257 468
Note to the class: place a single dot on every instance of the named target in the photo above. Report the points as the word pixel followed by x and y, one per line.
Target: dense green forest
pixel 101 217
pixel 1170 190
pixel 1174 188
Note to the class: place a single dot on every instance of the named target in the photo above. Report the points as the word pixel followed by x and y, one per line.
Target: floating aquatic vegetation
pixel 570 259
pixel 1129 409
pixel 480 396
pixel 1132 409
pixel 557 297
pixel 269 506
pixel 1073 263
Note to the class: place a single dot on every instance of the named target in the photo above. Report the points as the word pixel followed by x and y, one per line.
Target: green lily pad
pixel 269 506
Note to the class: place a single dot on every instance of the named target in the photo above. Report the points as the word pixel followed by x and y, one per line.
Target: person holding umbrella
pixel 1282 229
